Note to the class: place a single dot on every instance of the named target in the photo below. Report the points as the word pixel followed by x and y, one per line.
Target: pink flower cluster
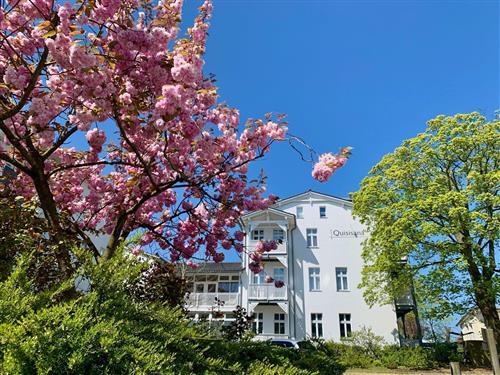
pixel 164 158
pixel 256 256
pixel 277 283
pixel 329 163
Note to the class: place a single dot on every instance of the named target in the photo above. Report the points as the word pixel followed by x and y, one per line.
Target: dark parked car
pixel 286 343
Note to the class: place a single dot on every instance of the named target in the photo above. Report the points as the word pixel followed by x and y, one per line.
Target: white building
pixel 472 325
pixel 319 261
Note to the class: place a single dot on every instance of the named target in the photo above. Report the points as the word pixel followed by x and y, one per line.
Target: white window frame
pixel 322 215
pixel 346 323
pixel 278 235
pixel 312 237
pixel 341 279
pixel 317 325
pixel 299 212
pixel 258 278
pixel 258 323
pixel 258 235
pixel 279 324
pixel 314 279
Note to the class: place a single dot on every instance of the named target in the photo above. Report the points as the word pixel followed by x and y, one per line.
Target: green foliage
pixel 366 340
pixel 366 350
pixel 21 227
pixel 161 283
pixel 109 330
pixel 265 368
pixel 434 201
pixel 350 356
pixel 412 358
pixel 237 329
pixel 247 353
pixel 102 331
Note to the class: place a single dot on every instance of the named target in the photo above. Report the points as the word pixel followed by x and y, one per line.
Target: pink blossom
pixel 239 235
pixel 226 244
pixel 175 166
pixel 136 250
pixel 96 139
pixel 192 264
pixel 279 283
pixel 329 163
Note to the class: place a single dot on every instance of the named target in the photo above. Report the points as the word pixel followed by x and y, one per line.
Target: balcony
pixel 207 300
pixel 280 250
pixel 405 300
pixel 267 292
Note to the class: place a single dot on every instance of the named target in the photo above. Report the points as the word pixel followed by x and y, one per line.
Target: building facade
pixel 318 259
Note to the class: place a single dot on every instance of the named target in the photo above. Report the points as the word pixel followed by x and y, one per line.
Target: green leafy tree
pixel 433 204
pixel 237 329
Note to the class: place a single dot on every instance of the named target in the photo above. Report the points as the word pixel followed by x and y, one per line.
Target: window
pixel 341 274
pixel 278 235
pixel 258 278
pixel 314 283
pixel 279 274
pixel 300 212
pixel 258 235
pixel 199 288
pixel 258 323
pixel 211 288
pixel 345 325
pixel 322 212
pixel 312 237
pixel 279 324
pixel 317 325
pixel 228 287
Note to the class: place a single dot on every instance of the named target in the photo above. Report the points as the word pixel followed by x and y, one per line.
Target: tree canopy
pixel 163 156
pixel 431 207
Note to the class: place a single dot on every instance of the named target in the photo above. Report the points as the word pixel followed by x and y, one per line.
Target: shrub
pixel 247 353
pixel 265 368
pixel 103 331
pixel 445 352
pixel 350 356
pixel 413 358
pixel 108 330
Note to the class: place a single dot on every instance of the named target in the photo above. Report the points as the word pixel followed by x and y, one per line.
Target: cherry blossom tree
pixel 163 156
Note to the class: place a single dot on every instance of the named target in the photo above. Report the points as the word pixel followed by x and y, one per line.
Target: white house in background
pixel 471 325
pixel 319 261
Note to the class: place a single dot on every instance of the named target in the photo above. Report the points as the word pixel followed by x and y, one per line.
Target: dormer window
pixel 322 212
pixel 258 235
pixel 300 212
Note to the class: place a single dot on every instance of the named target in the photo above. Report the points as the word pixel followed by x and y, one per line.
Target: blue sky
pixel 367 74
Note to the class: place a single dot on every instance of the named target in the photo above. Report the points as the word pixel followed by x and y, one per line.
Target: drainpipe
pixel 292 283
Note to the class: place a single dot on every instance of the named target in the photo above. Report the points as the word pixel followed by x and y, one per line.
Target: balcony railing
pixel 280 250
pixel 266 292
pixel 209 299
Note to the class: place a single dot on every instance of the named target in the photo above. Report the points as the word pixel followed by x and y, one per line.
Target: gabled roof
pixel 270 209
pixel 314 193
pixel 212 267
pixel 469 314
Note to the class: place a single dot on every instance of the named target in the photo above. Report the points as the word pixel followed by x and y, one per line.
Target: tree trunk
pixel 487 305
pixel 49 208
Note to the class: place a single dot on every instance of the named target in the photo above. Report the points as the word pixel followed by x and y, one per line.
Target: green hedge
pixel 394 357
pixel 246 353
pixel 108 331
